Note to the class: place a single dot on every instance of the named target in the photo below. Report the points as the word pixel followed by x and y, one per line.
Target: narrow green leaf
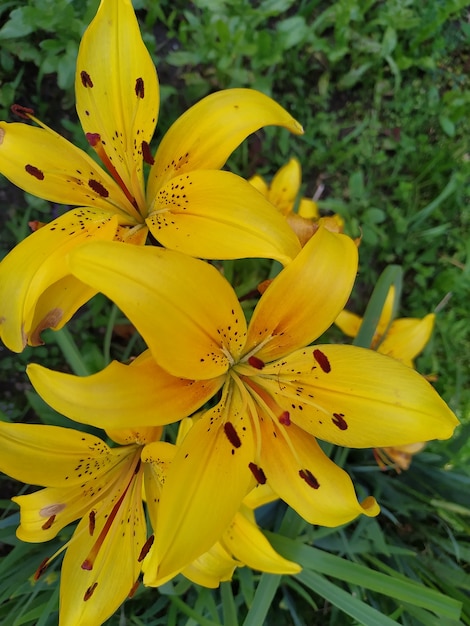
pixel 264 595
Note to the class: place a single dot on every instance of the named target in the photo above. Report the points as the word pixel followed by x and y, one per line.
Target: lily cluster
pixel 252 398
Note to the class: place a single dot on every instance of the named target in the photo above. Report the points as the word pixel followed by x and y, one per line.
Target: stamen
pixel 139 88
pixel 85 78
pixel 148 158
pixel 92 522
pixel 48 523
pixel 41 569
pixel 93 139
pixel 309 478
pixel 322 360
pixel 89 592
pixel 145 548
pixel 284 418
pixel 98 187
pixel 232 435
pixel 134 588
pixel 256 363
pixel 21 111
pixel 34 171
pixel 339 421
pixel 258 473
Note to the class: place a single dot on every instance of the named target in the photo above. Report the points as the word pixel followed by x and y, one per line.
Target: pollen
pixel 309 478
pixel 232 435
pixel 339 421
pixel 89 592
pixel 322 360
pixel 148 158
pixel 145 548
pixel 256 363
pixel 47 524
pixel 98 187
pixel 85 78
pixel 34 171
pixel 258 473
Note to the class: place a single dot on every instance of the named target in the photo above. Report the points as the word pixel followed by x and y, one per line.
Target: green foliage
pixel 382 90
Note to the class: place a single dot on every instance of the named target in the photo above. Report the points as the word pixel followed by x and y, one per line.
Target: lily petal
pixel 213 567
pixel 40 262
pixel 247 543
pixel 285 186
pixel 349 323
pixel 303 476
pixel 358 398
pixel 90 596
pixel 407 337
pixel 157 458
pixel 218 215
pixel 303 301
pixel 43 163
pixel 207 134
pixel 206 483
pixel 117 93
pixel 153 287
pixel 121 396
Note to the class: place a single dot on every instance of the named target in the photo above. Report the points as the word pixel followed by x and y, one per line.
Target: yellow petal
pixel 285 186
pixel 121 396
pixel 218 215
pixel 207 481
pixel 261 494
pixel 169 297
pixel 46 455
pixel 260 184
pixel 303 476
pixel 358 398
pixel 407 337
pixel 247 543
pixel 36 264
pixel 157 458
pixel 117 92
pixel 349 323
pixel 45 164
pixel 308 209
pixel 303 300
pixel 90 596
pixel 213 567
pixel 207 134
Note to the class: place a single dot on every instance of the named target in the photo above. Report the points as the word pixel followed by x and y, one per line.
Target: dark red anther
pixel 47 524
pixel 20 111
pixel 148 158
pixel 91 522
pixel 93 139
pixel 309 478
pixel 98 187
pixel 89 592
pixel 41 569
pixel 322 360
pixel 339 421
pixel 284 418
pixel 257 473
pixel 256 363
pixel 145 548
pixel 87 565
pixel 134 588
pixel 85 78
pixel 34 171
pixel 139 88
pixel 232 435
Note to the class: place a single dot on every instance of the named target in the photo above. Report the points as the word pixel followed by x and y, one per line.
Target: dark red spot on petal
pixel 34 171
pixel 139 87
pixel 20 111
pixel 284 418
pixel 48 523
pixel 98 187
pixel 145 548
pixel 93 138
pixel 148 158
pixel 41 569
pixel 256 363
pixel 257 473
pixel 91 522
pixel 309 478
pixel 89 592
pixel 85 78
pixel 339 421
pixel 232 435
pixel 322 360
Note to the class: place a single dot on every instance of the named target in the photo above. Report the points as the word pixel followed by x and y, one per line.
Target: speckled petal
pixel 217 215
pixel 169 297
pixel 117 94
pixel 45 164
pixel 356 397
pixel 207 134
pixel 36 264
pixel 304 300
pixel 122 396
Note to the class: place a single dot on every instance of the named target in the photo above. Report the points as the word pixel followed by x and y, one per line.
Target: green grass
pixel 383 92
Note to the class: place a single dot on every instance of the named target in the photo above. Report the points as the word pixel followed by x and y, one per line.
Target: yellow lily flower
pixel 87 480
pixel 277 394
pixel 283 193
pixel 188 204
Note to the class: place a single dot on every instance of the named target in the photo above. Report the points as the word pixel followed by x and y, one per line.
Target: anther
pixel 41 569
pixel 257 473
pixel 284 418
pixel 232 435
pixel 48 523
pixel 89 592
pixel 20 111
pixel 309 478
pixel 145 548
pixel 322 360
pixel 256 363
